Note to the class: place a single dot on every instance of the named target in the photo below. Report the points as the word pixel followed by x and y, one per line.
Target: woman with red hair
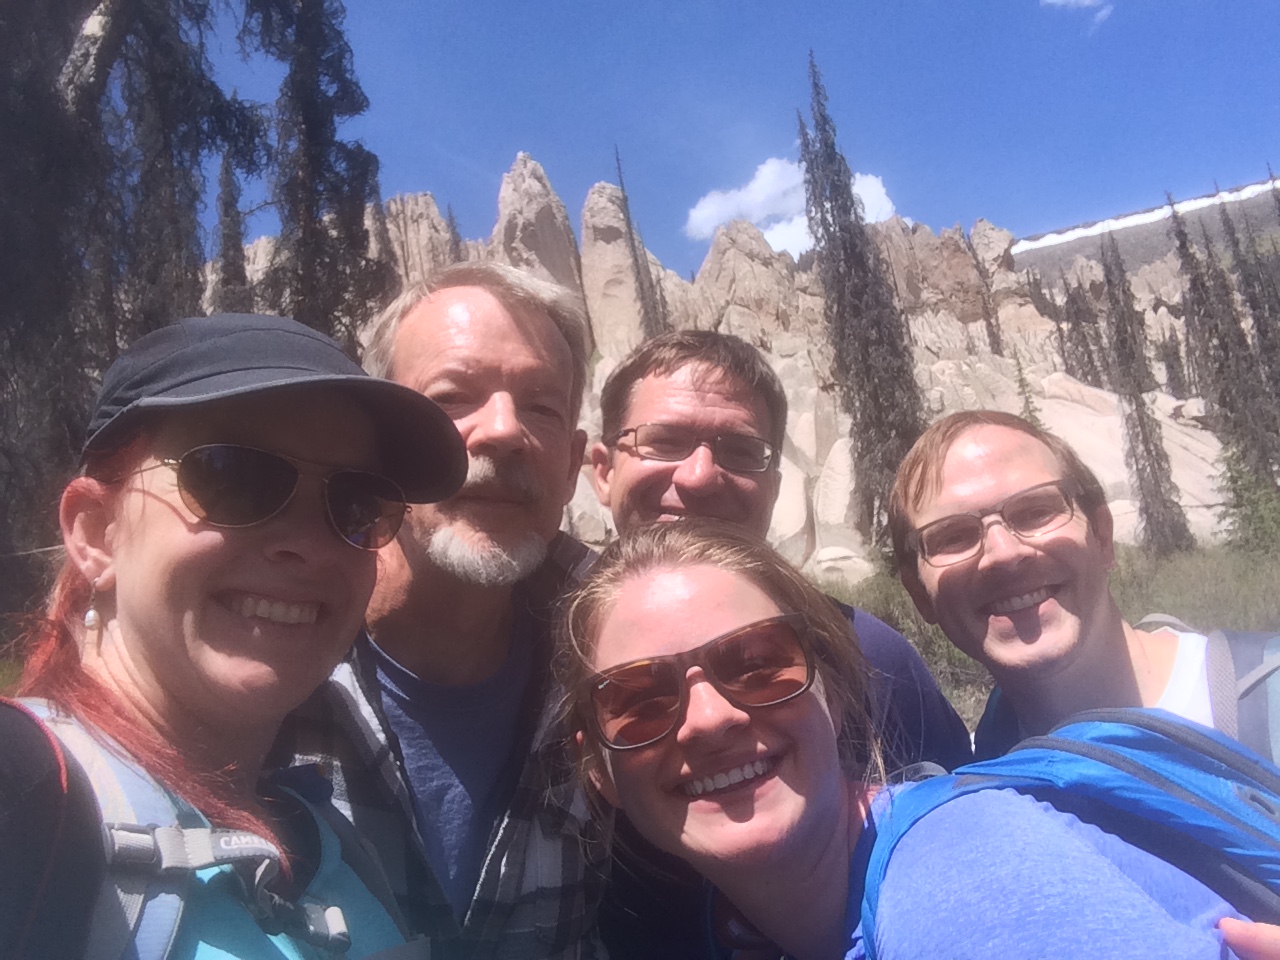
pixel 238 477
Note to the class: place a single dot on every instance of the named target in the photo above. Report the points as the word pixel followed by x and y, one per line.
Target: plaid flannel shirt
pixel 545 870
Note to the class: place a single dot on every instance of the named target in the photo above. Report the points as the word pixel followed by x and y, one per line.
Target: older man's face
pixel 637 489
pixel 506 380
pixel 1022 603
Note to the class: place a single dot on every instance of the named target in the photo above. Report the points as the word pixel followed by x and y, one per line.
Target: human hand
pixel 1251 941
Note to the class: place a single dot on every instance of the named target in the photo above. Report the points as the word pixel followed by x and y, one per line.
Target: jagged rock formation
pixel 533 230
pixel 419 236
pixel 947 284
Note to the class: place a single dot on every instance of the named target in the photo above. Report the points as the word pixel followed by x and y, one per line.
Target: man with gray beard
pixel 437 728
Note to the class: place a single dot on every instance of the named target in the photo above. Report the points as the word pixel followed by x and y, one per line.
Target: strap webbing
pixel 1246 684
pixel 1222 684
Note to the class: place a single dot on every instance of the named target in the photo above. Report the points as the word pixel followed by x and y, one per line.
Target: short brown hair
pixel 720 353
pixel 920 473
pixel 698 541
pixel 512 288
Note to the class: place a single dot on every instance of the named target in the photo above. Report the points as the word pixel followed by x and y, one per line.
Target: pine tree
pixel 1162 524
pixel 163 116
pixel 1262 296
pixel 108 113
pixel 653 305
pixel 1029 412
pixel 231 292
pixel 990 320
pixel 874 368
pixel 1231 385
pixel 1048 308
pixel 1200 362
pixel 321 272
pixel 456 254
pixel 1127 334
pixel 1252 509
pixel 49 166
pixel 1169 352
pixel 1081 321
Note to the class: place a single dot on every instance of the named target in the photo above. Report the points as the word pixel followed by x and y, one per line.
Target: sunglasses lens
pixel 637 704
pixel 762 665
pixel 366 509
pixel 232 486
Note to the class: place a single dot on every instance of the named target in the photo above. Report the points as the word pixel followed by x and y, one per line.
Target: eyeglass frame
pixel 328 470
pixel 711 444
pixel 1067 487
pixel 683 661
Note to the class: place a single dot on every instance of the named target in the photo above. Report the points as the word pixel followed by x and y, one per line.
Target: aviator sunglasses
pixel 760 665
pixel 228 485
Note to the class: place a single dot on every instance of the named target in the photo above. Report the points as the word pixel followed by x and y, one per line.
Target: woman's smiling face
pixel 229 629
pixel 729 786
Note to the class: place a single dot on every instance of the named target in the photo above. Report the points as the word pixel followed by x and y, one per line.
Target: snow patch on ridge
pixel 1145 216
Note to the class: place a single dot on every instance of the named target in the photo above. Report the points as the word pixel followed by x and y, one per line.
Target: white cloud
pixel 776 191
pixel 1101 9
pixel 876 205
pixel 791 235
pixel 774 201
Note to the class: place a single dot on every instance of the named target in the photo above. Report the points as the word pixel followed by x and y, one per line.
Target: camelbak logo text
pixel 239 841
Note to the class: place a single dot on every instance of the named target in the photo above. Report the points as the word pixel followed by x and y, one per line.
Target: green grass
pixel 9 672
pixel 1209 588
pixel 965 681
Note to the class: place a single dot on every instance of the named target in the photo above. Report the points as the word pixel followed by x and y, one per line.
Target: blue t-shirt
pixel 998 874
pixel 457 744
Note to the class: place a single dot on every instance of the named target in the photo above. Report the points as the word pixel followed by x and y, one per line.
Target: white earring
pixel 91 618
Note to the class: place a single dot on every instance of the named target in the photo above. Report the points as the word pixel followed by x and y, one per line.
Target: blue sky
pixel 1033 114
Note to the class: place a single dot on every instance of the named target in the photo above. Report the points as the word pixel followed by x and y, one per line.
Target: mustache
pixel 510 479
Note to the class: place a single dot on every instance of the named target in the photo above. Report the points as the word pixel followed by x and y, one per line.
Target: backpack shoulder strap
pixel 904 809
pixel 154 842
pixel 359 854
pixel 125 795
pixel 1268 665
pixel 1223 691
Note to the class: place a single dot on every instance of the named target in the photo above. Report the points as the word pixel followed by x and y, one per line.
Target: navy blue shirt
pixel 915 720
pixel 457 743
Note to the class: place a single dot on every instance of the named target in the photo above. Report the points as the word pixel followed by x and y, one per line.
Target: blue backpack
pixel 1184 793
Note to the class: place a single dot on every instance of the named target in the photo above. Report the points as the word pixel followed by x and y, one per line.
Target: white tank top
pixel 1187 692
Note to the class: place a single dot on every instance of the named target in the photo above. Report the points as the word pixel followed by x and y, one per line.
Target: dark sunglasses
pixel 735 452
pixel 1027 514
pixel 227 485
pixel 762 664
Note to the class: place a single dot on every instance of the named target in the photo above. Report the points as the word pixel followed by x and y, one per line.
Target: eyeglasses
pixel 760 665
pixel 1032 512
pixel 227 485
pixel 735 452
